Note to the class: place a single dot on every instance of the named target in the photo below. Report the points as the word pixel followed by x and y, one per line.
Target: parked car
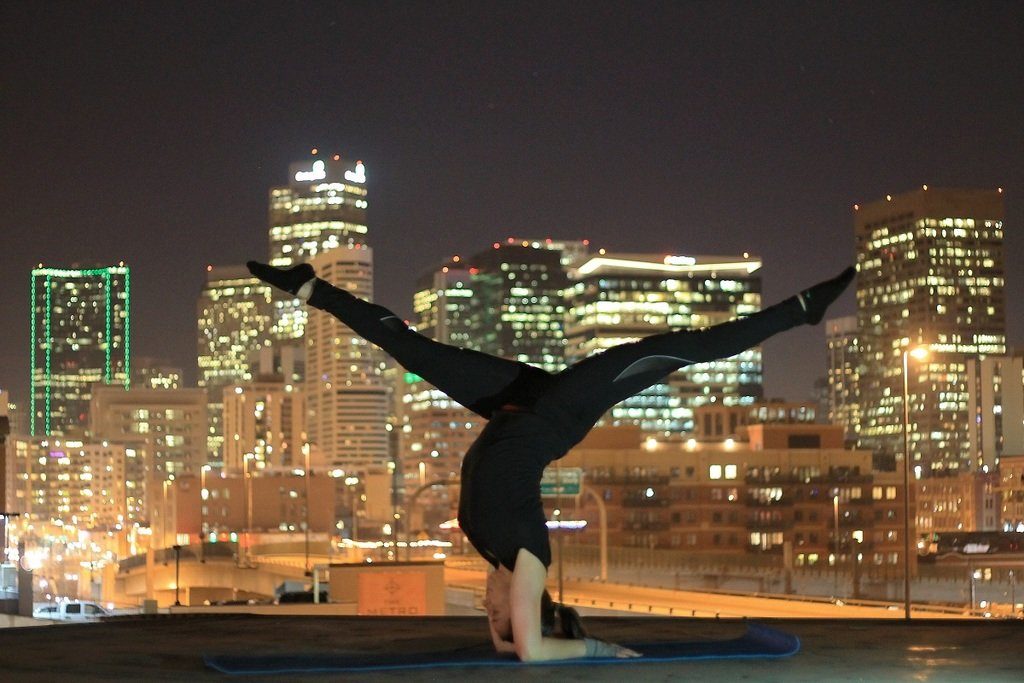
pixel 70 610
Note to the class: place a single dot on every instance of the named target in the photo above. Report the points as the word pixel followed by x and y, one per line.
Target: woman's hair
pixel 565 619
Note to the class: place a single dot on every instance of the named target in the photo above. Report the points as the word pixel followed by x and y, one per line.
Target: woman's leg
pixel 589 388
pixel 476 380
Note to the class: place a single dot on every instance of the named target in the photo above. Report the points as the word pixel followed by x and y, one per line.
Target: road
pixel 661 602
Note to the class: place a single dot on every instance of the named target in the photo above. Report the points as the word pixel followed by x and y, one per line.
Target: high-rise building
pixel 444 303
pixel 322 207
pixel 346 396
pixel 435 431
pixel 165 431
pixel 80 333
pixel 618 298
pixel 16 415
pixel 518 307
pixel 506 301
pixel 843 374
pixel 77 483
pixel 156 373
pixel 930 274
pixel 235 320
pixel 267 418
pixel 1011 489
pixel 966 501
pixel 996 408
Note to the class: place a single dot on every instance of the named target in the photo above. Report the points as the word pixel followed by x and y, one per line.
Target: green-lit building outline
pixel 108 370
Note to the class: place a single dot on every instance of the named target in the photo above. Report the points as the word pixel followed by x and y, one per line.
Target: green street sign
pixel 565 481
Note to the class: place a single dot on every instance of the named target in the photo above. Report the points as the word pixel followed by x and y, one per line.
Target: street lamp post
pixel 247 488
pixel 202 511
pixel 835 518
pixel 166 515
pixel 305 475
pixel 920 353
pixel 177 573
pixel 602 517
pixel 1013 594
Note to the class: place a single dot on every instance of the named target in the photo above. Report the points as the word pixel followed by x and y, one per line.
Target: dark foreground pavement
pixel 171 648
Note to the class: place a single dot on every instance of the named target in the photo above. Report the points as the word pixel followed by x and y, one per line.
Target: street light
pixel 203 495
pixel 167 514
pixel 835 517
pixel 919 353
pixel 247 489
pixel 305 475
pixel 1013 594
pixel 177 573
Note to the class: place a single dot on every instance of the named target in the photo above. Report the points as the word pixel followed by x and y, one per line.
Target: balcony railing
pixel 774 525
pixel 644 502
pixel 827 479
pixel 754 501
pixel 628 480
pixel 646 526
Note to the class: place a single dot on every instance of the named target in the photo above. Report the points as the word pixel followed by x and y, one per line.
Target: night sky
pixel 151 132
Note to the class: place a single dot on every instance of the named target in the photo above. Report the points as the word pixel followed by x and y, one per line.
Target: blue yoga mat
pixel 759 641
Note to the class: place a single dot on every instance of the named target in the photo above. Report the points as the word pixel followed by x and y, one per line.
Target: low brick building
pixel 779 490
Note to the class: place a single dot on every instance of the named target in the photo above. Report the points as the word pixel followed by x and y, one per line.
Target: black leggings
pixel 579 395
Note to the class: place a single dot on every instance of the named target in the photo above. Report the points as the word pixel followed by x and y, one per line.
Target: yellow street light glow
pixel 919 352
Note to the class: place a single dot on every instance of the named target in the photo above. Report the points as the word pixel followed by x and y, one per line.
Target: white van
pixel 71 610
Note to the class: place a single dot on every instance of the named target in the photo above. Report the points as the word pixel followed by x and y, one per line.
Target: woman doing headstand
pixel 535 417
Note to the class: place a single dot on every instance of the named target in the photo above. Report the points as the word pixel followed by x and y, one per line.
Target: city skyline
pixel 683 130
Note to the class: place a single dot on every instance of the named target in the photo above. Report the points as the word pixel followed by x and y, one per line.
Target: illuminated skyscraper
pixel 617 298
pixel 322 207
pixel 346 396
pixel 518 307
pixel 235 320
pixel 80 336
pixel 931 273
pixel 443 303
pixel 506 301
pixel 435 430
pixel 843 374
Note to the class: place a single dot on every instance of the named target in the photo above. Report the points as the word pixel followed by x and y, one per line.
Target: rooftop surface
pixel 170 647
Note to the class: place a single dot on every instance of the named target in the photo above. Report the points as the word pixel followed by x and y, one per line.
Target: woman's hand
pixel 601 648
pixel 504 647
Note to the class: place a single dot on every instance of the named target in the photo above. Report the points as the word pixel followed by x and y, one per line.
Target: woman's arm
pixel 527 586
